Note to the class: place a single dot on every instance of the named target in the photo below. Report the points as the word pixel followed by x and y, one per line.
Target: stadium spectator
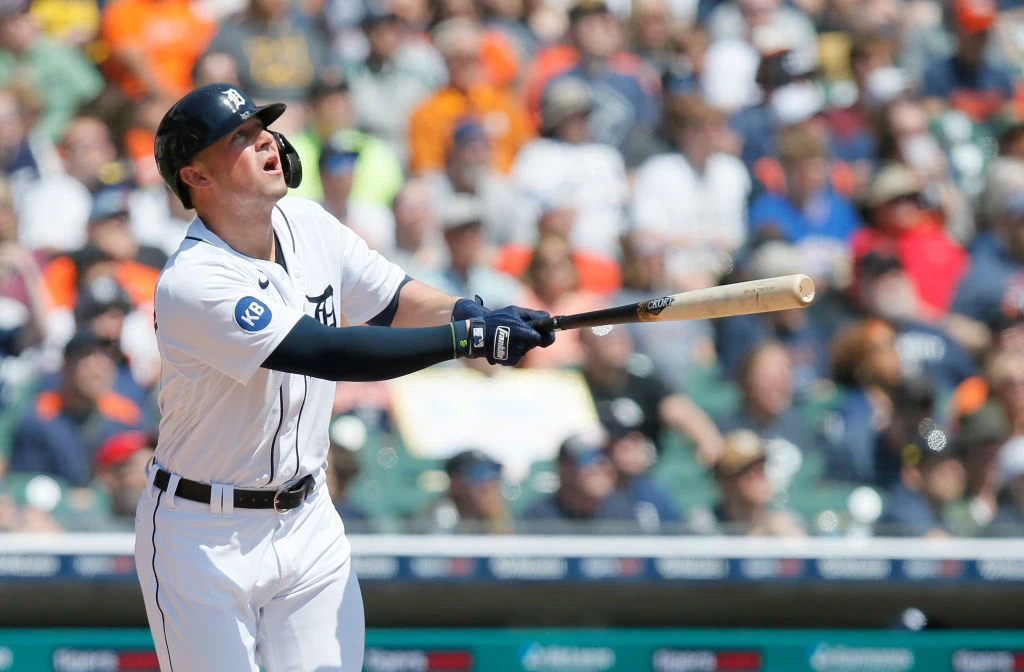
pixel 618 379
pixel 419 245
pixel 691 201
pixel 120 471
pixel 866 366
pixel 981 435
pixel 632 455
pixel 882 289
pixel 744 19
pixel 1005 383
pixel 337 166
pixel 466 273
pixel 1009 518
pixel 898 224
pixel 553 286
pixel 967 81
pixel 62 76
pixel 54 210
pixel 388 85
pixel 990 289
pixel 62 431
pixel 809 214
pixel 625 91
pixel 468 170
pixel 378 171
pixel 913 407
pixel 278 52
pixel 24 300
pixel 110 249
pixel 474 502
pixel 25 155
pixel 745 493
pixel 342 469
pixel 766 386
pixel 586 499
pixel 801 332
pixel 931 479
pixel 675 348
pixel 566 169
pixel 651 28
pixel 154 44
pixel 467 95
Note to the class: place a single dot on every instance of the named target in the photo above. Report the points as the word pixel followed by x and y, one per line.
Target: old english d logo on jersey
pixel 323 311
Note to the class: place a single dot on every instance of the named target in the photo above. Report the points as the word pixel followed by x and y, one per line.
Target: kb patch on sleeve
pixel 252 314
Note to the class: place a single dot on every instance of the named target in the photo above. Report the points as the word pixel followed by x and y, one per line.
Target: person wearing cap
pixel 377 175
pixel 691 201
pixel 337 167
pixel 745 493
pixel 432 123
pixel 968 81
pixel 397 74
pixel 626 90
pixel 62 430
pixel 119 468
pixel 982 434
pixel 62 76
pixel 466 274
pixel 931 479
pixel 632 455
pixel 586 499
pixel 279 54
pixel 741 19
pixel 567 169
pixel 898 222
pixel 615 376
pixel 474 502
pixel 468 170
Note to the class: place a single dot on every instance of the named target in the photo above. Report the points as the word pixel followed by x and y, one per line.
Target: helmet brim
pixel 268 114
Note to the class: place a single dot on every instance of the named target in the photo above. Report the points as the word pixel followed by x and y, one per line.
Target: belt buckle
pixel 299 486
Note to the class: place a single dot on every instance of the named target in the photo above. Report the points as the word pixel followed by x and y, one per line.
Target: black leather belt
pixel 285 499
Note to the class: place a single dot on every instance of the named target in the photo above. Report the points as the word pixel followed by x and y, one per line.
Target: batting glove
pixel 504 336
pixel 466 309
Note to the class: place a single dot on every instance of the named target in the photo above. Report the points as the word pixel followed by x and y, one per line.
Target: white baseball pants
pixel 227 589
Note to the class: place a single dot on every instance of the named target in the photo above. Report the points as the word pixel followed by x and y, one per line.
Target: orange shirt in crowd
pixel 432 124
pixel 594 273
pixel 170 34
pixel 933 261
pixel 61 278
pixel 499 59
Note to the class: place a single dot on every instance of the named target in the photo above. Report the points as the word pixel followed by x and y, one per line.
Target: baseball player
pixel 240 554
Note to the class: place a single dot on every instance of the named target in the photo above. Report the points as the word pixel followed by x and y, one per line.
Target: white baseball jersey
pixel 220 314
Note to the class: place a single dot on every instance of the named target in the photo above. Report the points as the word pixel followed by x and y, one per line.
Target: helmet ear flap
pixel 291 166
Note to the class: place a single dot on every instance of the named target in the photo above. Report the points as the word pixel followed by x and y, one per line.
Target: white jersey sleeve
pixel 215 315
pixel 368 280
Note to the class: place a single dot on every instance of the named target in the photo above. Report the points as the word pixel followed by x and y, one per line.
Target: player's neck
pixel 249 233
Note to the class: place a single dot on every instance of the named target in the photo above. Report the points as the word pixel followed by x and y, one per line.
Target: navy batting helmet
pixel 203 117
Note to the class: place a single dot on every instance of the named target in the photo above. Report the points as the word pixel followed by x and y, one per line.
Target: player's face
pixel 245 163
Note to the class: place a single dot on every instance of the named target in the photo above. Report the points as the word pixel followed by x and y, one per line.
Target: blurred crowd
pixel 564 155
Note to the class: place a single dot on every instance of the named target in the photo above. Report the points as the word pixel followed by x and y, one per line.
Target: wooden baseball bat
pixel 784 292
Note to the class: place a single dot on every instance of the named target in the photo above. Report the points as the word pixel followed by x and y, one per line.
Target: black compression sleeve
pixel 361 353
pixel 385 317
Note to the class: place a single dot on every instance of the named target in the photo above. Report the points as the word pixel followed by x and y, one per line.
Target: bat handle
pixel 546 324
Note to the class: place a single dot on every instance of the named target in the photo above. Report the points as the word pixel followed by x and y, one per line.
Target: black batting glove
pixel 503 336
pixel 467 309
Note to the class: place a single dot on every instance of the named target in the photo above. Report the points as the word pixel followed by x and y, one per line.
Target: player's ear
pixel 194 176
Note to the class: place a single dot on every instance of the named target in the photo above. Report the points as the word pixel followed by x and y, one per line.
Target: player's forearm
pixel 360 353
pixel 421 305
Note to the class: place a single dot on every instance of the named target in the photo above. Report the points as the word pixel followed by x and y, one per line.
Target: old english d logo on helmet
pixel 203 117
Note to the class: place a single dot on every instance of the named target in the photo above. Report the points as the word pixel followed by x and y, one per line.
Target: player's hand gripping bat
pixel 742 298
